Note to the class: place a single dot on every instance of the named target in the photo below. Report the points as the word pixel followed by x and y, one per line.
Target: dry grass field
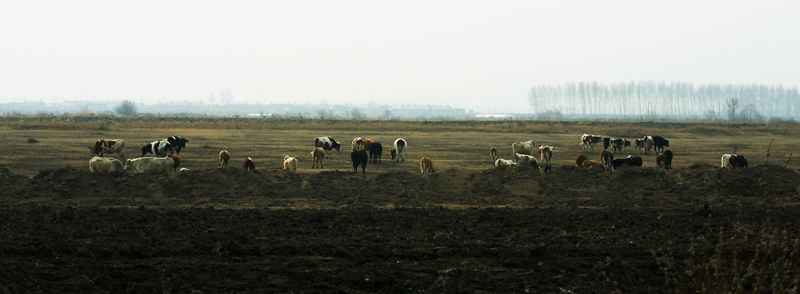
pixel 468 228
pixel 450 145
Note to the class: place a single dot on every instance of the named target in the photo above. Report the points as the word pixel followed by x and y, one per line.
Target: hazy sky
pixel 469 54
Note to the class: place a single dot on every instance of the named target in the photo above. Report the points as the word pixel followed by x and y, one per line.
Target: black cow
pixel 157 148
pixel 738 161
pixel 359 158
pixel 375 152
pixel 177 143
pixel 606 143
pixel 630 160
pixel 659 142
pixel 327 143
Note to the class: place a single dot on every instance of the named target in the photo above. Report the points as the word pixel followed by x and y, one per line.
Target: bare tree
pixel 211 98
pixel 356 113
pixel 225 96
pixel 750 114
pixel 126 108
pixel 733 106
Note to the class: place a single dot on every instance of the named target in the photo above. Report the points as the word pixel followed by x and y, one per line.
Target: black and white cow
pixel 177 143
pixel 327 143
pixel 630 160
pixel 733 161
pixel 659 143
pixel 618 145
pixel 361 158
pixel 157 148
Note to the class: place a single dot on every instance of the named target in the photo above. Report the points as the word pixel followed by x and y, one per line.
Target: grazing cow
pixel 638 144
pixel 588 141
pixel 659 143
pixel 176 161
pixel 526 160
pixel 606 157
pixel 593 163
pixel 108 146
pixel 733 161
pixel 426 165
pixel 327 144
pixel 150 165
pixel 105 165
pixel 738 161
pixel 606 143
pixel 618 145
pixel 580 159
pixel 290 163
pixel 502 162
pixel 375 152
pixel 664 160
pixel 522 148
pixel 178 143
pixel 359 158
pixel 630 160
pixel 224 156
pixel 648 144
pixel 493 153
pixel 249 164
pixel 545 153
pixel 316 157
pixel 399 149
pixel 357 144
pixel 157 148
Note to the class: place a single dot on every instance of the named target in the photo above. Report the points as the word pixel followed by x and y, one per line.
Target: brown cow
pixel 638 144
pixel 224 156
pixel 426 165
pixel 580 159
pixel 249 164
pixel 357 144
pixel 546 152
pixel 493 153
pixel 593 163
pixel 607 157
pixel 316 157
pixel 176 161
pixel 664 160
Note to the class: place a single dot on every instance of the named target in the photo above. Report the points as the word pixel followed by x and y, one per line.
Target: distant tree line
pixel 664 99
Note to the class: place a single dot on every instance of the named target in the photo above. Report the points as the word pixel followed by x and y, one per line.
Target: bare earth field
pixel 468 228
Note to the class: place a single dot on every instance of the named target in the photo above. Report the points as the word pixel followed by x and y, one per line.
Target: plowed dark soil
pixel 502 230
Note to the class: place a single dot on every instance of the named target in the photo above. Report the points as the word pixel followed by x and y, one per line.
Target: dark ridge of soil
pixel 513 229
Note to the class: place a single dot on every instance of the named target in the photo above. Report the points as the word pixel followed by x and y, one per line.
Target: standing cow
pixel 249 164
pixel 426 165
pixel 157 148
pixel 224 157
pixel 316 157
pixel 359 158
pixel 522 148
pixel 108 146
pixel 664 160
pixel 327 144
pixel 290 163
pixel 659 143
pixel 399 149
pixel 375 152
pixel 177 143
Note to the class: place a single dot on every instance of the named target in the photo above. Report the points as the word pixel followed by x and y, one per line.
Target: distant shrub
pixel 32 140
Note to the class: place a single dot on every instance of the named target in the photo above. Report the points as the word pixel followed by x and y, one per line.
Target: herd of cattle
pixel 522 154
pixel 166 157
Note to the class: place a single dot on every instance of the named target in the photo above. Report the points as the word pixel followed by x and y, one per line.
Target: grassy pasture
pixel 462 145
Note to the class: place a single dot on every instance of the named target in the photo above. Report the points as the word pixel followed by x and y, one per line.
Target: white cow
pixel 105 165
pixel 526 160
pixel 399 149
pixel 648 144
pixel 501 162
pixel 522 148
pixel 290 163
pixel 150 165
pixel 108 146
